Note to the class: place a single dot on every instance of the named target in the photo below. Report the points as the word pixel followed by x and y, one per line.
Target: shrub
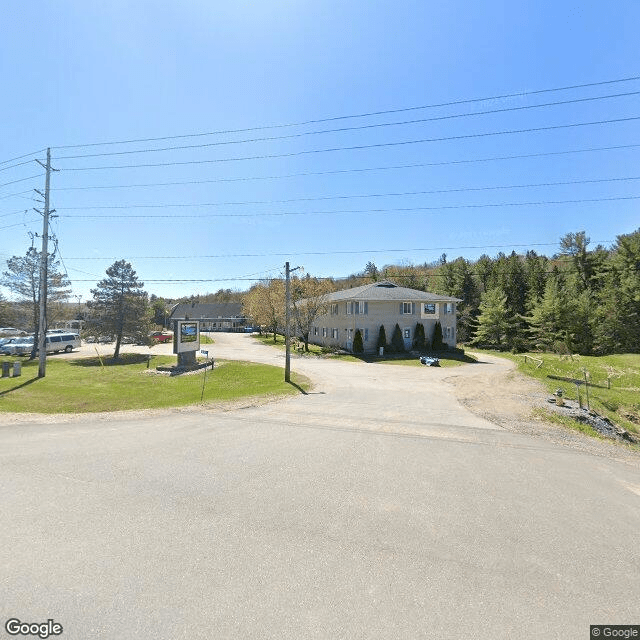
pixel 438 344
pixel 418 338
pixel 382 338
pixel 397 341
pixel 358 346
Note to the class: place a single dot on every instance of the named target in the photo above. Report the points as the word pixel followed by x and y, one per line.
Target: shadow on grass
pixel 19 386
pixel 124 360
pixel 577 381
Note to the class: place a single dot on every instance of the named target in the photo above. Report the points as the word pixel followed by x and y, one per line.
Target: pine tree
pixel 397 341
pixel 494 321
pixel 382 338
pixel 120 305
pixel 358 346
pixel 437 343
pixel 418 337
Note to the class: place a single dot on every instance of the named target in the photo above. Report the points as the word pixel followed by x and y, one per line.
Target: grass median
pixel 94 385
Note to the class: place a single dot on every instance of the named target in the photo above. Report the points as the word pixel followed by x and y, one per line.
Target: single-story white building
pixel 383 304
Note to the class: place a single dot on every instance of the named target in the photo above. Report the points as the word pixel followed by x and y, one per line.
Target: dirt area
pixel 505 397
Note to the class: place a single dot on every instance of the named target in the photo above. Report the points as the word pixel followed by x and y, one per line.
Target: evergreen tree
pixel 397 341
pixel 358 346
pixel 23 278
pixel 418 337
pixel 382 338
pixel 120 305
pixel 494 321
pixel 437 342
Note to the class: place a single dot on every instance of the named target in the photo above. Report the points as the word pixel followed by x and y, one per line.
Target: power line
pixel 415 165
pixel 15 195
pixel 19 164
pixel 359 115
pixel 333 253
pixel 381 210
pixel 21 180
pixel 346 197
pixel 26 155
pixel 361 147
pixel 344 129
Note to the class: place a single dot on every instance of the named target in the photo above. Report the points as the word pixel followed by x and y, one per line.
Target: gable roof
pixel 386 290
pixel 206 310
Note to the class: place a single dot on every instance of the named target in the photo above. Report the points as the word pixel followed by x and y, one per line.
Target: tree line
pixel 580 300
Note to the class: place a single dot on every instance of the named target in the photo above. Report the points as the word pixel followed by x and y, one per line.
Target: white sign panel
pixel 186 336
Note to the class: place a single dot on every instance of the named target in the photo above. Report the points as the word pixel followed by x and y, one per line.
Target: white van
pixel 54 342
pixel 66 342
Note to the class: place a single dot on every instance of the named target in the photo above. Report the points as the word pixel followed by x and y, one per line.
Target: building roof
pixel 385 290
pixel 206 310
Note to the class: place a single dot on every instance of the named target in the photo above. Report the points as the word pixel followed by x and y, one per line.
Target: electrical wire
pixel 5 184
pixel 382 210
pixel 333 253
pixel 359 115
pixel 415 165
pixel 346 197
pixel 344 129
pixel 360 147
pixel 26 155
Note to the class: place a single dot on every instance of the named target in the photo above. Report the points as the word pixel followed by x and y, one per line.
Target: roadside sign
pixel 204 353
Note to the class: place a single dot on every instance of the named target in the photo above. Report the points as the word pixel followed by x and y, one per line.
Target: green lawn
pixel 86 385
pixel 446 359
pixel 614 381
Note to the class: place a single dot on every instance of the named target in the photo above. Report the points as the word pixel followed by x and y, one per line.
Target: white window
pixel 349 308
pixel 429 308
pixel 334 309
pixel 448 307
pixel 334 334
pixel 315 331
pixel 407 308
pixel 366 334
pixel 407 333
pixel 350 334
pixel 324 332
pixel 361 307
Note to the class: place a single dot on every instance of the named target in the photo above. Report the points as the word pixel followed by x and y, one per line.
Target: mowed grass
pixel 614 381
pixel 86 385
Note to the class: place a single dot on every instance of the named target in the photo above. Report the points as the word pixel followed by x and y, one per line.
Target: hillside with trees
pixel 581 300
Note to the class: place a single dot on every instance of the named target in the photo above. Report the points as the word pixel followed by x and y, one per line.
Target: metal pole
pixel 287 331
pixel 44 260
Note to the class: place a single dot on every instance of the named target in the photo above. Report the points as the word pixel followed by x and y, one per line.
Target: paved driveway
pixel 375 506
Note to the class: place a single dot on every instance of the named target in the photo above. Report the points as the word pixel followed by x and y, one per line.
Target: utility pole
pixel 287 322
pixel 44 263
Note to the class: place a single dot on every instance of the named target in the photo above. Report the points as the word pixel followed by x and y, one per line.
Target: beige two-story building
pixel 383 304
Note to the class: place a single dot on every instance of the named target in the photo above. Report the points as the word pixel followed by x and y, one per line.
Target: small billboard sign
pixel 186 336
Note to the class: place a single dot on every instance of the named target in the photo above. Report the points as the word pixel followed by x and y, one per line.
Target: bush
pixel 382 338
pixel 358 346
pixel 418 338
pixel 397 341
pixel 438 344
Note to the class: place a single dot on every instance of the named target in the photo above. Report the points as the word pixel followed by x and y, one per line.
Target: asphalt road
pixel 375 506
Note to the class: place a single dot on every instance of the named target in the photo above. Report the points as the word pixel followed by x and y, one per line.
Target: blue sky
pixel 80 73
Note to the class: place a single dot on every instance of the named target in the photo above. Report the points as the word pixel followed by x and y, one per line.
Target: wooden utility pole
pixel 287 322
pixel 44 276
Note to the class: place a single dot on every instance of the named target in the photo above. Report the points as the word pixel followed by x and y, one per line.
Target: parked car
pixel 11 332
pixel 6 344
pixel 161 336
pixel 54 343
